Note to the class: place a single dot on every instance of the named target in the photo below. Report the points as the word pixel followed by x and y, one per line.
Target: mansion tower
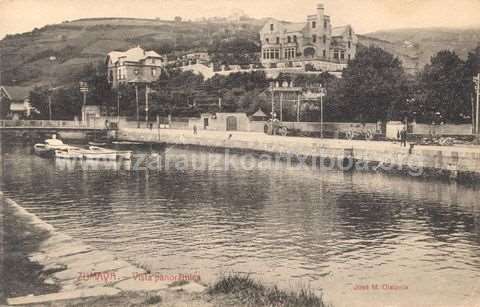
pixel 312 41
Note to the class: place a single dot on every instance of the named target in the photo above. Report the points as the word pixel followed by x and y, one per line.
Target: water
pixel 331 231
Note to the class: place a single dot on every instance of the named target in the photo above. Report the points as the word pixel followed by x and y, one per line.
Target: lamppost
pixel 136 82
pixel 476 80
pixel 52 60
pixel 118 105
pixel 323 92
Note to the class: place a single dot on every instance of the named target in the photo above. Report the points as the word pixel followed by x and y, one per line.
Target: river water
pixel 339 234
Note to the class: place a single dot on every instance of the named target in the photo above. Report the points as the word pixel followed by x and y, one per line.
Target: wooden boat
pixel 97 143
pixel 99 153
pixel 69 153
pixel 127 143
pixel 109 153
pixel 49 147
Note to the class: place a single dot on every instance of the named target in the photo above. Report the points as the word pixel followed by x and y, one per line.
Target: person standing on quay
pixel 194 129
pixel 403 136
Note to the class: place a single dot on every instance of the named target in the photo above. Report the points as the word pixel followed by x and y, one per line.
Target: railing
pixel 48 124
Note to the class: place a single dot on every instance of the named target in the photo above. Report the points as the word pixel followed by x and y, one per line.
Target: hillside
pixel 416 46
pixel 24 58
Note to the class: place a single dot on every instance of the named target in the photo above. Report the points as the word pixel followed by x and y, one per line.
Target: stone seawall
pixel 81 271
pixel 456 162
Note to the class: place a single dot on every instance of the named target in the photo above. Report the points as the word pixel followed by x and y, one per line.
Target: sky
pixel 17 16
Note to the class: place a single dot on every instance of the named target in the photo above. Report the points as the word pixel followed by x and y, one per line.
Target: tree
pixel 4 107
pixel 472 68
pixel 442 84
pixel 374 86
pixel 39 100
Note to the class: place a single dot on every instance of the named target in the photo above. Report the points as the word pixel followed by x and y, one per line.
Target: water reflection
pixel 92 165
pixel 325 228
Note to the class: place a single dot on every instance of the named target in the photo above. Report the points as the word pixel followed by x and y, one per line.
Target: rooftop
pixel 135 54
pixel 16 93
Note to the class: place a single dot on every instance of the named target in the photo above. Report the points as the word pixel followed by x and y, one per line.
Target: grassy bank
pixel 252 293
pixel 20 276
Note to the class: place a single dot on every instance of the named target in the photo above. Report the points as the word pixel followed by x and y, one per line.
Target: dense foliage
pixel 373 87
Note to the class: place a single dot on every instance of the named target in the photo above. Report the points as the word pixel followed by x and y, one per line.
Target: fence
pixel 47 124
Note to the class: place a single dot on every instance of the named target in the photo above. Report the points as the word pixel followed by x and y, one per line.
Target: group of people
pixel 402 137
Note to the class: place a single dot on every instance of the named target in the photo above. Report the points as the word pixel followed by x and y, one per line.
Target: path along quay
pixel 460 162
pixel 81 271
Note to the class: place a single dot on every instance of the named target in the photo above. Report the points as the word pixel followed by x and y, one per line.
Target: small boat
pixel 109 154
pixel 99 153
pixel 97 143
pixel 126 143
pixel 69 153
pixel 49 147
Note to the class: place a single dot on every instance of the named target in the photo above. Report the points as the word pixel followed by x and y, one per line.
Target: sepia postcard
pixel 279 153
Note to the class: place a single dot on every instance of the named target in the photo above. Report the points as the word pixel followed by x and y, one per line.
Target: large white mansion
pixel 310 41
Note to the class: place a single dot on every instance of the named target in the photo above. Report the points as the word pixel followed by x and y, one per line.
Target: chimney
pixel 320 10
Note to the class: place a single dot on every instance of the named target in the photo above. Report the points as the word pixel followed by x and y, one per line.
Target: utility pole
pixel 50 104
pixel 298 107
pixel 52 60
pixel 323 92
pixel 281 106
pixel 273 101
pixel 118 105
pixel 321 115
pixel 147 88
pixel 136 100
pixel 477 118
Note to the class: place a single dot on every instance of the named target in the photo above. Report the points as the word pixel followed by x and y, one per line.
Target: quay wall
pixel 453 161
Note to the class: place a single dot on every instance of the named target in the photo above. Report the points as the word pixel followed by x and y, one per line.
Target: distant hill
pixel 76 44
pixel 415 47
pixel 25 57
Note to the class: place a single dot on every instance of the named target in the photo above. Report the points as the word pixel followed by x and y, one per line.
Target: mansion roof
pixel 294 27
pixel 339 31
pixel 136 54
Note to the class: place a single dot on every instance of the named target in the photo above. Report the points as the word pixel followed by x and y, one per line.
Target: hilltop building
pixel 312 41
pixel 134 64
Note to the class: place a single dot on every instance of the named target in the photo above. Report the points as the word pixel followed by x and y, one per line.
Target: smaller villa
pixel 134 64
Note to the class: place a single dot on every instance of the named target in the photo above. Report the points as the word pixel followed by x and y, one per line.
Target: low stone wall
pixel 80 270
pixel 453 162
pixel 331 126
pixel 447 129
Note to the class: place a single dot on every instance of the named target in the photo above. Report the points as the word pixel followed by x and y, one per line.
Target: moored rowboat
pixel 109 153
